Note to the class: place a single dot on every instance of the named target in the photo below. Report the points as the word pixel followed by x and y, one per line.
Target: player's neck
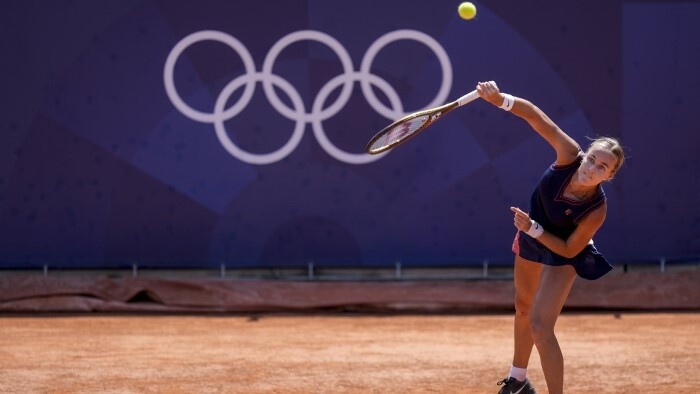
pixel 580 192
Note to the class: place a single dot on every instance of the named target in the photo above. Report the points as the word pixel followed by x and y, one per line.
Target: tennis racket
pixel 410 125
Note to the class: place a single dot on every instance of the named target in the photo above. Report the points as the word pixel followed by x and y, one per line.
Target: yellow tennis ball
pixel 467 10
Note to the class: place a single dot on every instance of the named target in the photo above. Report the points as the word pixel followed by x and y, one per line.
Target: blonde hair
pixel 612 145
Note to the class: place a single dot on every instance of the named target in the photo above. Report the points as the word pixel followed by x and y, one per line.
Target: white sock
pixel 519 374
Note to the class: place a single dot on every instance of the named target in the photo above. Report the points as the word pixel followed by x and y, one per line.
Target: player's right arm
pixel 566 148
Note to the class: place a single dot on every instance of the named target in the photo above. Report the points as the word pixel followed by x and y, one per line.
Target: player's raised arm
pixel 566 148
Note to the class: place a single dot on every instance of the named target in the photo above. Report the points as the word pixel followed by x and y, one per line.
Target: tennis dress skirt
pixel 589 264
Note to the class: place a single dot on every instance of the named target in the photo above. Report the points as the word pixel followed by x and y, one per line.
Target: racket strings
pixel 399 132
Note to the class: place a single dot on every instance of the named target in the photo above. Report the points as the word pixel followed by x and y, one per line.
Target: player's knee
pixel 523 302
pixel 542 330
pixel 521 308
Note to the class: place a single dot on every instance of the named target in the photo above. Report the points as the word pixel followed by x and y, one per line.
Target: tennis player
pixel 554 242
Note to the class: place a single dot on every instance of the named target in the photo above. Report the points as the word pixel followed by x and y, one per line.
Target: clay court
pixel 337 353
pixel 625 333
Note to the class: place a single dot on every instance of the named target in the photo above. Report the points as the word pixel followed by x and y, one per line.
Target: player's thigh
pixel 555 284
pixel 527 278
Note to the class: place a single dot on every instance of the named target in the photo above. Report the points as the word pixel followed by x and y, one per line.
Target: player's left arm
pixel 578 240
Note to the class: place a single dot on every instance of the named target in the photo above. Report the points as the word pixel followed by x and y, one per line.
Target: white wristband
pixel 535 229
pixel 508 102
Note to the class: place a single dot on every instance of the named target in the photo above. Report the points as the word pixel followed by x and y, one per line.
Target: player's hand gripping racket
pixel 410 125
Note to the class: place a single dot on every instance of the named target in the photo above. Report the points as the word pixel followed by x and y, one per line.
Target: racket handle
pixel 468 98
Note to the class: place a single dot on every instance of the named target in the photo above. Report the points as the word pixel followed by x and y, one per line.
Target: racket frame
pixel 434 114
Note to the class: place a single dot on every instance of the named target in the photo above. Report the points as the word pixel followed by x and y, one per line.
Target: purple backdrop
pixel 183 133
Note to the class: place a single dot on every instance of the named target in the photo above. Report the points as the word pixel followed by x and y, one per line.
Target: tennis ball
pixel 467 10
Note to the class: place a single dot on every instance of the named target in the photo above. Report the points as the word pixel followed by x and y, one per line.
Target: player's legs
pixel 555 284
pixel 527 279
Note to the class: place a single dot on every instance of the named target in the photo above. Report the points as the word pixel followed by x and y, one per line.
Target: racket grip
pixel 468 98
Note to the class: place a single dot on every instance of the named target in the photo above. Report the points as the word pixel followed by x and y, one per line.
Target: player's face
pixel 596 167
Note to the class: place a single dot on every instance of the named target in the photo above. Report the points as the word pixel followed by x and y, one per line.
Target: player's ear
pixel 612 175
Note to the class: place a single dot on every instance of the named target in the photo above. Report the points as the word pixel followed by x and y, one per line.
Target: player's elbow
pixel 569 254
pixel 570 251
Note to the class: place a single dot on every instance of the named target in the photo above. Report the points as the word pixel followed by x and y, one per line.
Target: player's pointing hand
pixel 521 219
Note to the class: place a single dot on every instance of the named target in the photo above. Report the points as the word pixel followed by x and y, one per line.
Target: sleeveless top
pixel 552 210
pixel 560 216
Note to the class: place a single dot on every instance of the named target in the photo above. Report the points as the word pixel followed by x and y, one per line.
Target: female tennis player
pixel 554 241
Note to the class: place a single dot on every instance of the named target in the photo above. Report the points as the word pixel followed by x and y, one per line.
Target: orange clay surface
pixel 337 353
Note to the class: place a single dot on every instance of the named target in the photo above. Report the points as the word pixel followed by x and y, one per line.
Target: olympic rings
pixel 298 113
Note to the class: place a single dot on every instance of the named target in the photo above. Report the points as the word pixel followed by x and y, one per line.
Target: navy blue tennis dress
pixel 560 216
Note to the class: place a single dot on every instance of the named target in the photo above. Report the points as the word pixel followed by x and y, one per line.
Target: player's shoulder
pixel 567 161
pixel 567 148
